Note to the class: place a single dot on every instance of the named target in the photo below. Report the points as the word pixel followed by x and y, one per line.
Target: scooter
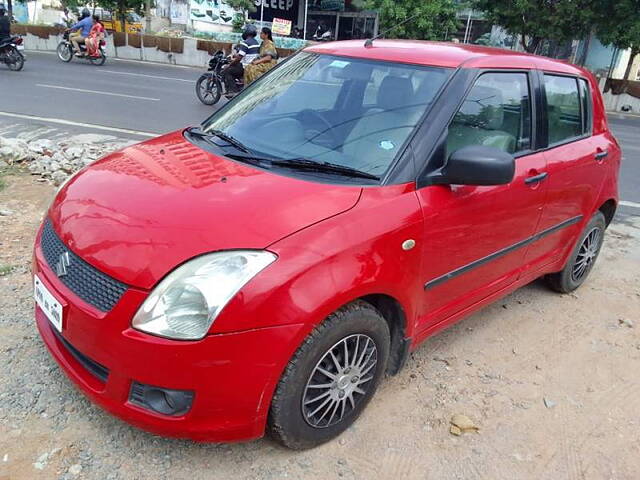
pixel 210 86
pixel 11 53
pixel 66 53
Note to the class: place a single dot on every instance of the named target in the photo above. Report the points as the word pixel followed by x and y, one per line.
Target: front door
pixel 475 236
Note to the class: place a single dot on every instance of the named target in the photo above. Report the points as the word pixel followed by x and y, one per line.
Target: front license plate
pixel 48 303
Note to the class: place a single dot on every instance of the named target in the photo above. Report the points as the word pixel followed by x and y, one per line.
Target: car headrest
pixel 483 108
pixel 395 93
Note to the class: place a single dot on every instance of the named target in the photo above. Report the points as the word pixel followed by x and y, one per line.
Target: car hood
pixel 138 213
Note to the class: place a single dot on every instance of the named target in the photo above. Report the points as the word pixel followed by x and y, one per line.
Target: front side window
pixel 496 113
pixel 563 108
pixel 351 112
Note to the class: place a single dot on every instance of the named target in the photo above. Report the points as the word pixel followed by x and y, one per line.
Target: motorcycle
pixel 11 53
pixel 210 86
pixel 66 53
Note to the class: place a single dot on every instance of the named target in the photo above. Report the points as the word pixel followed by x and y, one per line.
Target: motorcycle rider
pixel 247 51
pixel 83 28
pixel 5 24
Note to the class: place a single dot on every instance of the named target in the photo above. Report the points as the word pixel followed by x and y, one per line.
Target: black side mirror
pixel 475 165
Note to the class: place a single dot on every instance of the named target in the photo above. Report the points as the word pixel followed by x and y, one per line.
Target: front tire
pixel 208 89
pixel 331 378
pixel 582 259
pixel 64 51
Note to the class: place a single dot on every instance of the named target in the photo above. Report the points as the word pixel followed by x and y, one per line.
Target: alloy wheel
pixel 339 381
pixel 586 254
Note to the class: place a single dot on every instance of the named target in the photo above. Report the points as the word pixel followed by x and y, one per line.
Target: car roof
pixel 444 54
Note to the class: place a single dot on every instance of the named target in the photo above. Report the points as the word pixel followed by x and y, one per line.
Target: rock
pixel 75 469
pixel 67 167
pixel 72 153
pixel 5 212
pixel 461 424
pixel 14 150
pixel 41 146
pixel 548 402
pixel 53 166
pixel 91 138
pixel 58 177
pixel 625 322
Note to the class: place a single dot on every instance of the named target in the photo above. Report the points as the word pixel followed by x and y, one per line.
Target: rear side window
pixel 563 109
pixel 496 113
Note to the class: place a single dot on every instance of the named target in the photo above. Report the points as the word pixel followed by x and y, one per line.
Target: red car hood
pixel 138 213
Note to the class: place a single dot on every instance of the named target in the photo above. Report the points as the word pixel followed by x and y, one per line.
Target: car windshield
pixel 350 112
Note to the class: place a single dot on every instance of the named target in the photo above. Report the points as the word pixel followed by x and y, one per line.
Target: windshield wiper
pixel 304 164
pixel 197 131
pixel 328 167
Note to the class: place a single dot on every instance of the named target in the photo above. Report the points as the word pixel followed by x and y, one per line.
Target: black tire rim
pixel 340 381
pixel 587 254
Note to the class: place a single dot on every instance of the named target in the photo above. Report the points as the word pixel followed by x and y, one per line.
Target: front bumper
pixel 232 375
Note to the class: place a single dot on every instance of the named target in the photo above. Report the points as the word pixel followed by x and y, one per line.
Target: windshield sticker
pixel 339 64
pixel 387 145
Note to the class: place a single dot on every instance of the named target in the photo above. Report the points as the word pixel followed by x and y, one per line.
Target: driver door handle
pixel 536 178
pixel 601 155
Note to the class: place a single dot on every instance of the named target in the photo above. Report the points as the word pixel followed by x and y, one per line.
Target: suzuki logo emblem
pixel 63 262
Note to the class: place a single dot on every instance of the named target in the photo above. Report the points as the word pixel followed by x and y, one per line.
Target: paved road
pixel 128 95
pixel 627 131
pixel 155 99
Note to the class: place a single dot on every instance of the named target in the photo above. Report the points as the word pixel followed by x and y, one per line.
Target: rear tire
pixel 98 61
pixel 64 51
pixel 331 378
pixel 208 89
pixel 582 258
pixel 18 60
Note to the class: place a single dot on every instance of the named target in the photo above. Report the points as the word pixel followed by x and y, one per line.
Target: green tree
pixel 618 24
pixel 243 7
pixel 119 7
pixel 537 20
pixel 433 18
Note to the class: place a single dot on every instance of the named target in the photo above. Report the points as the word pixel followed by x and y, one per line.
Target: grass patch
pixel 6 269
pixel 10 170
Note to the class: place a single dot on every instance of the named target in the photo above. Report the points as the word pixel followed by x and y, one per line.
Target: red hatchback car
pixel 263 271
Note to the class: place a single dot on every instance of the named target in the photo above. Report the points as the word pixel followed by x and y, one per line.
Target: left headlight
pixel 185 303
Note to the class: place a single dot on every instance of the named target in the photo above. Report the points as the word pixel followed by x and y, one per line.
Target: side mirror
pixel 475 165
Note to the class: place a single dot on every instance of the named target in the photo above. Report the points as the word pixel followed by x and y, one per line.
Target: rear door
pixel 475 236
pixel 575 171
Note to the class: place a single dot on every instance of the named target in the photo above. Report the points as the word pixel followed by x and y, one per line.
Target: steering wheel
pixel 320 133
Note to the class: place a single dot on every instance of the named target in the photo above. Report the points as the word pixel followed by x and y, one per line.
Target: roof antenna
pixel 369 42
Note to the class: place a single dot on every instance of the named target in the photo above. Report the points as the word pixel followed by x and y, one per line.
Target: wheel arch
pixel 392 311
pixel 608 209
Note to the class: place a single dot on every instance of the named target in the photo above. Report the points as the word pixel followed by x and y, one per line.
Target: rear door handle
pixel 536 178
pixel 601 155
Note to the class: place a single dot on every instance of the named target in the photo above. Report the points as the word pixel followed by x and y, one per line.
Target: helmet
pixel 85 13
pixel 250 30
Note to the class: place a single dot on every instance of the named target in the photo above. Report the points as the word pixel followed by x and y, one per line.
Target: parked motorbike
pixel 210 86
pixel 11 53
pixel 66 53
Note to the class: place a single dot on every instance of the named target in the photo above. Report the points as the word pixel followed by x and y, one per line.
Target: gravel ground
pixel 550 380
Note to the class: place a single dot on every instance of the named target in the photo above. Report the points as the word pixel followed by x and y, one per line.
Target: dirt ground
pixel 552 381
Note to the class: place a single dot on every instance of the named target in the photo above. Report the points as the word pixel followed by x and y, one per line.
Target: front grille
pixel 94 368
pixel 88 283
